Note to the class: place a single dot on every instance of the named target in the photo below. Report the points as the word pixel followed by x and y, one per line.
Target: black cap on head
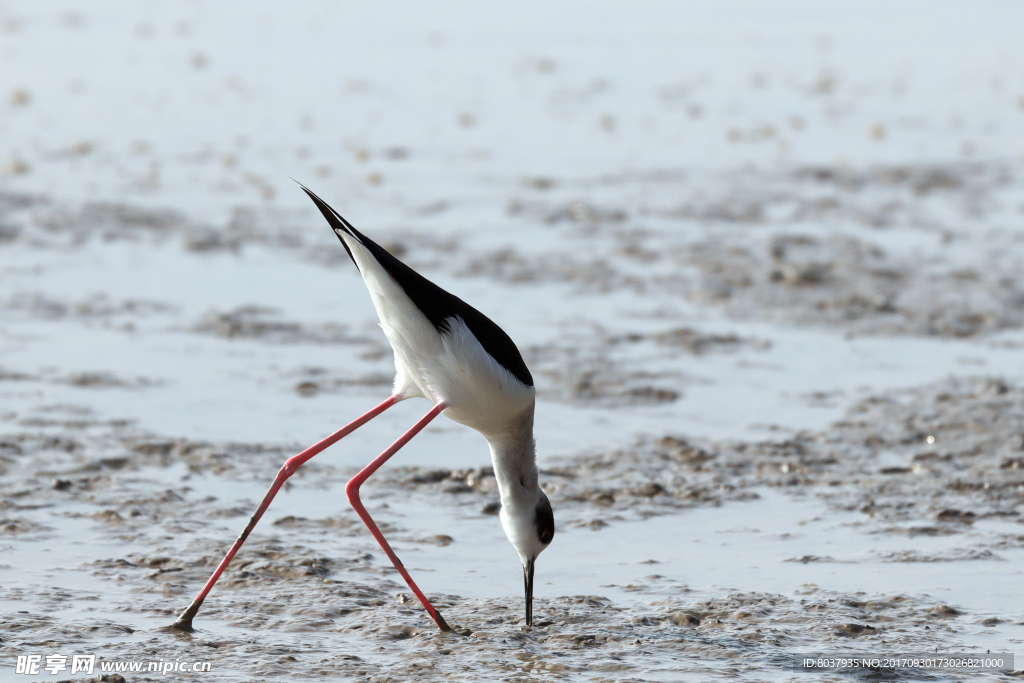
pixel 545 520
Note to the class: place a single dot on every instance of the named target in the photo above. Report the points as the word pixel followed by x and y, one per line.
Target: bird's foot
pixel 441 623
pixel 184 622
pixel 445 628
pixel 184 625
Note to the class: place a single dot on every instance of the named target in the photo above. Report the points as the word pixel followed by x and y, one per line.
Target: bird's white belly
pixel 452 367
pixel 480 393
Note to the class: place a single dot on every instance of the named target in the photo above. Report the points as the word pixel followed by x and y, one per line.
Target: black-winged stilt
pixel 451 354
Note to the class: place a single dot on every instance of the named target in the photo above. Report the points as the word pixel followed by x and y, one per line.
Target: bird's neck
pixel 514 456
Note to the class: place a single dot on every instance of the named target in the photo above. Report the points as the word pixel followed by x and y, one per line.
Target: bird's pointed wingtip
pixel 305 189
pixel 340 226
pixel 329 213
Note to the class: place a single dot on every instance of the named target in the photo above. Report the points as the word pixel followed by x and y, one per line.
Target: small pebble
pixel 854 630
pixel 685 619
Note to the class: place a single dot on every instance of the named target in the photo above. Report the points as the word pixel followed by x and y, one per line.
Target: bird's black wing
pixel 438 305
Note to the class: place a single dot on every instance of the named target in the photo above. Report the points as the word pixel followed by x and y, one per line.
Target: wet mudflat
pixel 728 557
pixel 773 305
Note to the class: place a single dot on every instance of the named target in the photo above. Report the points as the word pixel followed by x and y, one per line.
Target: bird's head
pixel 530 528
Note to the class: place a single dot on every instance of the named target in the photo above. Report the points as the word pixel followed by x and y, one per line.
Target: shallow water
pixel 764 264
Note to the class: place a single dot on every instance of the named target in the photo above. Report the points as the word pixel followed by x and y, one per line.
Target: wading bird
pixel 454 356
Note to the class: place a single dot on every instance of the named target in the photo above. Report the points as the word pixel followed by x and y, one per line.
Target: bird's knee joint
pixel 287 469
pixel 352 491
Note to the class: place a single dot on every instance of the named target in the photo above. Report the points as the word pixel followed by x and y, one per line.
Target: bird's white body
pixel 453 367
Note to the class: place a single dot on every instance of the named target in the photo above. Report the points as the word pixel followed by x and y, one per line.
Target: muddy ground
pixel 952 458
pixel 310 593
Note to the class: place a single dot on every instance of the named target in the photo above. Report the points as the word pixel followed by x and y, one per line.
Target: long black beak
pixel 528 584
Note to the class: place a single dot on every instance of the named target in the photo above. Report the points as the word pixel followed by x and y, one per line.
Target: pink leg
pixel 352 489
pixel 184 622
